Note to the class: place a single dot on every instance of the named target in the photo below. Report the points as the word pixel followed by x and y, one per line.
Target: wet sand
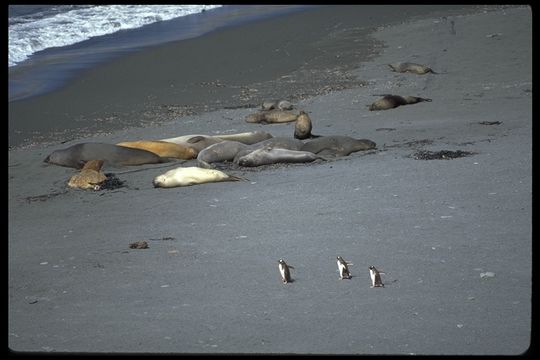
pixel 209 283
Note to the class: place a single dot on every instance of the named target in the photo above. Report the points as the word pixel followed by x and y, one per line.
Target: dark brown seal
pixel 393 101
pixel 337 145
pixel 77 155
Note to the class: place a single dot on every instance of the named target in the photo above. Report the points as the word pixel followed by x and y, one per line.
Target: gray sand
pixel 434 226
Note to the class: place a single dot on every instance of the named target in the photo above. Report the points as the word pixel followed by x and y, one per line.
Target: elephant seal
pixel 90 176
pixel 77 155
pixel 222 151
pixel 303 126
pixel 393 101
pixel 270 155
pixel 248 138
pixel 186 176
pixel 276 104
pixel 275 116
pixel 251 137
pixel 411 67
pixel 276 142
pixel 163 148
pixel 337 145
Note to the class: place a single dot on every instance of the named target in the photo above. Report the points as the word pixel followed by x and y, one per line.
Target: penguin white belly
pixel 372 274
pixel 341 269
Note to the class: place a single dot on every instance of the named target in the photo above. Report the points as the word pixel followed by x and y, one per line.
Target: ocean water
pixel 49 45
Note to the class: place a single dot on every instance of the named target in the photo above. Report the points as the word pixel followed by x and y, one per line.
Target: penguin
pixel 343 268
pixel 375 277
pixel 284 271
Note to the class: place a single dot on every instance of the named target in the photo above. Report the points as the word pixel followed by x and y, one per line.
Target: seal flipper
pixel 203 164
pixel 234 178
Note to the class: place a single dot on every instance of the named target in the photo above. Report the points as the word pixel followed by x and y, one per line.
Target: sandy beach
pixel 454 237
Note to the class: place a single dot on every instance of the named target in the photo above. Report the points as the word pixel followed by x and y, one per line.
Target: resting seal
pixel 276 142
pixel 411 67
pixel 223 151
pixel 270 155
pixel 90 176
pixel 276 104
pixel 251 137
pixel 163 148
pixel 186 176
pixel 393 101
pixel 77 155
pixel 337 145
pixel 275 116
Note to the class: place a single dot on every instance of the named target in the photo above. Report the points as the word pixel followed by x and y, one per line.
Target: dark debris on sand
pixel 440 155
pixel 139 245
pixel 112 182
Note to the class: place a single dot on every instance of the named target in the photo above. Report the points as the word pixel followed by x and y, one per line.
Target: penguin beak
pixel 47 159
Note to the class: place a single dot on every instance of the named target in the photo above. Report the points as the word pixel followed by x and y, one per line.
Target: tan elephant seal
pixel 220 152
pixel 270 155
pixel 393 101
pixel 411 67
pixel 90 176
pixel 276 104
pixel 162 148
pixel 77 155
pixel 303 127
pixel 337 145
pixel 186 176
pixel 275 116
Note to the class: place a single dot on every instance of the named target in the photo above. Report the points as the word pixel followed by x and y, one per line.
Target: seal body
pixel 276 104
pixel 90 176
pixel 303 126
pixel 248 138
pixel 77 155
pixel 276 142
pixel 275 116
pixel 222 151
pixel 411 67
pixel 375 277
pixel 284 271
pixel 337 145
pixel 393 101
pixel 343 268
pixel 251 137
pixel 270 155
pixel 163 148
pixel 186 176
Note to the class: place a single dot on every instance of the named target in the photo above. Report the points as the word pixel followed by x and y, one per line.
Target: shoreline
pixel 209 283
pixel 132 91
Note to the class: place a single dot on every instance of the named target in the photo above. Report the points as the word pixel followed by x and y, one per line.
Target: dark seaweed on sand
pixel 112 182
pixel 440 155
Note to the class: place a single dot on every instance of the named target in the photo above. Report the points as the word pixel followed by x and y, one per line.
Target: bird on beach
pixel 284 271
pixel 343 268
pixel 375 277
